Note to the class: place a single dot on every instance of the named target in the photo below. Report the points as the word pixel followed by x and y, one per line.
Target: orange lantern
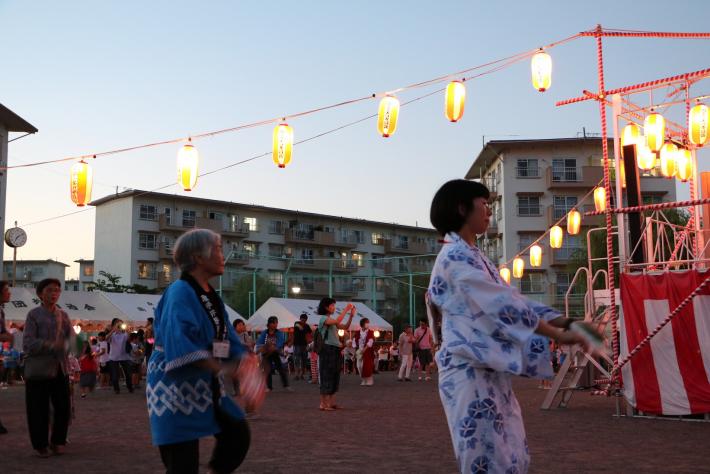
pixel 698 119
pixel 600 198
pixel 188 162
pixel 80 183
pixel 387 115
pixel 622 173
pixel 684 163
pixel 556 234
pixel 505 274
pixel 535 256
pixel 668 157
pixel 455 101
pixel 283 145
pixel 645 158
pixel 541 66
pixel 518 267
pixel 630 135
pixel 654 128
pixel 574 221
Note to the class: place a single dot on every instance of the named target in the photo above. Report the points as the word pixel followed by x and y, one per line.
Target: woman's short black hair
pixel 272 320
pixel 453 202
pixel 45 283
pixel 364 321
pixel 323 306
pixel 3 284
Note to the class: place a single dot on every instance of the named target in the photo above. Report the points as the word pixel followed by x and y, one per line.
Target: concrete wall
pixel 114 235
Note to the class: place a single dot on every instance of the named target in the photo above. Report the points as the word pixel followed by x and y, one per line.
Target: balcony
pixel 397 246
pixel 238 258
pixel 554 214
pixel 169 224
pixel 492 228
pixel 312 288
pixel 320 238
pixel 585 177
pixel 228 230
pixel 406 267
pixel 309 264
pixel 165 252
pixel 391 291
pixel 528 172
pixel 347 290
pixel 564 256
pixel 529 210
pixel 176 224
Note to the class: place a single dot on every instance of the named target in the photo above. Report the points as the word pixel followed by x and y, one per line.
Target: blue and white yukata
pixel 179 395
pixel 488 334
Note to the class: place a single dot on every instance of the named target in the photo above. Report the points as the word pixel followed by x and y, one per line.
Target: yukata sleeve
pixel 184 338
pixel 543 311
pixel 486 322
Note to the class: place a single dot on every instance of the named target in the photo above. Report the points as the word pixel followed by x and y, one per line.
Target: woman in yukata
pixel 193 342
pixel 489 333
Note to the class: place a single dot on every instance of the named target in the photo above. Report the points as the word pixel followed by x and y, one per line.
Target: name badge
pixel 220 349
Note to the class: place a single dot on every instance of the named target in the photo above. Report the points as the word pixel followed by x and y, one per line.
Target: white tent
pixel 288 310
pixel 92 305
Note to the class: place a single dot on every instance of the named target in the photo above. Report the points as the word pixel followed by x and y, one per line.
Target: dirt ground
pixel 391 427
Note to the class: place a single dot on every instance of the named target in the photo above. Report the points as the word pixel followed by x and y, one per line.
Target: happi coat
pixel 487 337
pixel 180 395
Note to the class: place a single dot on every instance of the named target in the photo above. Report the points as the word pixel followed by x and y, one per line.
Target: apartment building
pixel 320 254
pixel 31 272
pixel 85 282
pixel 534 183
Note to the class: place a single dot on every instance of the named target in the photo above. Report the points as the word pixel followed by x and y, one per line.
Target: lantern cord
pixel 499 65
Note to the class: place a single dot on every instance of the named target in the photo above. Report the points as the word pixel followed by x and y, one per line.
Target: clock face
pixel 15 237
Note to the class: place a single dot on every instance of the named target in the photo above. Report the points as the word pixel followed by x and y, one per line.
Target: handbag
pixel 41 367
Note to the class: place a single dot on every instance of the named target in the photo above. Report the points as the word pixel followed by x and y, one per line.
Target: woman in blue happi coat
pixel 490 332
pixel 193 342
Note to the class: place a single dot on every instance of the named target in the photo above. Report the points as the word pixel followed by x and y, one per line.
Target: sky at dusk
pixel 95 76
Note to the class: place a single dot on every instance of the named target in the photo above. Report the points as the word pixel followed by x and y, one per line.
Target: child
pixel 10 358
pixel 88 368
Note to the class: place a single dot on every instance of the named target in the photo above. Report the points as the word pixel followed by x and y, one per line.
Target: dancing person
pixel 489 333
pixel 271 345
pixel 137 355
pixel 422 344
pixel 302 335
pixel 394 356
pixel 119 355
pixel 193 340
pixel 88 368
pixel 383 359
pixel 362 342
pixel 10 360
pixel 241 329
pixel 406 341
pixel 329 359
pixel 46 343
pixel 102 357
pixel 5 335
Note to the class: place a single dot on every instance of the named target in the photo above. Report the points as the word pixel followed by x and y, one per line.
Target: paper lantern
pixel 455 101
pixel 654 129
pixel 541 66
pixel 630 135
pixel 668 157
pixel 684 164
pixel 77 329
pixel 645 157
pixel 505 274
pixel 341 332
pixel 518 267
pixel 283 144
pixel 556 234
pixel 600 198
pixel 387 116
pixel 377 334
pixel 574 221
pixel 535 256
pixel 698 119
pixel 188 162
pixel 622 172
pixel 81 180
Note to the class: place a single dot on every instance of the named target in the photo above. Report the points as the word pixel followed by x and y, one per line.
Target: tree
pixel 238 296
pixel 112 284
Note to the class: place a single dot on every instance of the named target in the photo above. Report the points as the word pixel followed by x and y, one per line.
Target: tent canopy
pixel 288 310
pixel 92 305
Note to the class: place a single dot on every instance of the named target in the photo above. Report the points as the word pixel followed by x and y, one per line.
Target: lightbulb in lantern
pixel 645 157
pixel 296 290
pixel 505 274
pixel 387 115
pixel 341 332
pixel 283 145
pixel 81 181
pixel 455 101
pixel 535 256
pixel 600 198
pixel 518 267
pixel 654 129
pixel 188 163
pixel 698 119
pixel 631 135
pixel 668 156
pixel 541 66
pixel 574 222
pixel 684 164
pixel 377 334
pixel 77 329
pixel 556 234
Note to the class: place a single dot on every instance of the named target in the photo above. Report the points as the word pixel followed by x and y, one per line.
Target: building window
pixel 146 270
pixel 276 227
pixel 215 216
pixel 188 218
pixel 532 283
pixel 359 236
pixel 402 242
pixel 529 206
pixel 499 173
pixel 562 205
pixel 147 212
pixel 359 259
pixel 565 170
pixel 168 216
pixel 307 255
pixel 276 250
pixel 251 249
pixel 276 278
pixel 147 241
pixel 88 270
pixel 167 272
pixel 231 223
pixel 527 168
pixel 571 247
pixel 524 241
pixel 251 224
pixel 377 238
pixel 563 282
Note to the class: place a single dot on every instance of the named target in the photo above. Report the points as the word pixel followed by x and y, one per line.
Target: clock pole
pixel 14 263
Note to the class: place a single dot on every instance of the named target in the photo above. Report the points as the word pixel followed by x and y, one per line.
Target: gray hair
pixel 195 243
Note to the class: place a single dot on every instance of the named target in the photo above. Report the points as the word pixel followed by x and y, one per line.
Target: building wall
pixel 113 237
pixel 29 273
pixel 3 189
